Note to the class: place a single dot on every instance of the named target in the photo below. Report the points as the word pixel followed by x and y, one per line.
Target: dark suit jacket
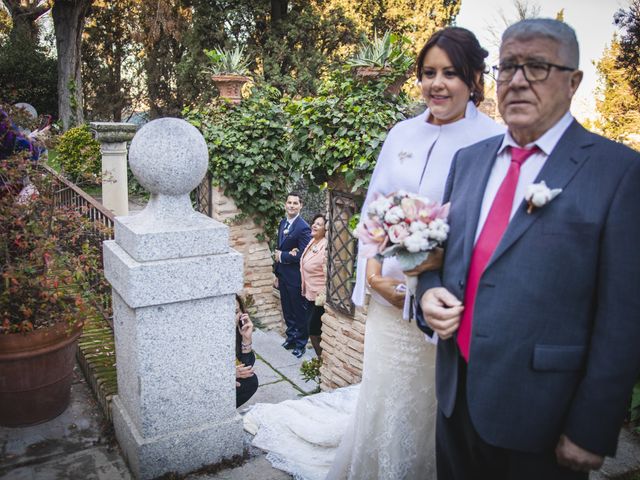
pixel 555 346
pixel 299 235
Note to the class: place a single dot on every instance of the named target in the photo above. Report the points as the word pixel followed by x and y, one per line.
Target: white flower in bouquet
pixel 417 242
pixel 438 230
pixel 379 207
pixel 394 215
pixel 417 226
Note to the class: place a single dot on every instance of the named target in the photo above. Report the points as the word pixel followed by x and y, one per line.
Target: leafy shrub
pixel 46 258
pixel 310 369
pixel 79 154
pixel 341 130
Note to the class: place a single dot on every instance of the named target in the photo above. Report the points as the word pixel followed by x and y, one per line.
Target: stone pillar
pixel 174 278
pixel 113 138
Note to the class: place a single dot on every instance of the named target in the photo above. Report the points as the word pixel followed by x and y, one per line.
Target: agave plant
pixel 225 61
pixel 387 51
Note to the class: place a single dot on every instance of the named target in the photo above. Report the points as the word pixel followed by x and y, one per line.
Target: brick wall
pixel 342 348
pixel 258 273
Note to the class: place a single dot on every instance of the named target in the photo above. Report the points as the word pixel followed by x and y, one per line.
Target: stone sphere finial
pixel 168 156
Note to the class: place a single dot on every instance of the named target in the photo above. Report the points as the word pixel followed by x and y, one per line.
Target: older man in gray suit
pixel 538 303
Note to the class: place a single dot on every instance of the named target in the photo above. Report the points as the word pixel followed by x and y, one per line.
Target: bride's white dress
pixel 388 434
pixel 392 435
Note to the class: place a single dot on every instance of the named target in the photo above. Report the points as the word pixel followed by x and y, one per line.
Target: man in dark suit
pixel 537 305
pixel 293 236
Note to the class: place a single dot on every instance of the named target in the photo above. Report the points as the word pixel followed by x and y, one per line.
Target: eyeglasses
pixel 533 71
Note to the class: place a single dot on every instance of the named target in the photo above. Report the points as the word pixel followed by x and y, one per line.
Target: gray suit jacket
pixel 555 346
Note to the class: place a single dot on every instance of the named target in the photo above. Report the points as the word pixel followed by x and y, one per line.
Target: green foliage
pixel 390 50
pixel 341 130
pixel 310 369
pixel 79 154
pixel 45 255
pixel 246 152
pixel 227 61
pixel 28 75
pixel 259 149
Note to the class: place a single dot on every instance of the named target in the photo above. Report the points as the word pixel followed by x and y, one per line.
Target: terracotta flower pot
pixel 371 73
pixel 35 374
pixel 230 86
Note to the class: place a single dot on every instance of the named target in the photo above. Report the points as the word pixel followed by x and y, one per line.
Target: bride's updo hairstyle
pixel 466 55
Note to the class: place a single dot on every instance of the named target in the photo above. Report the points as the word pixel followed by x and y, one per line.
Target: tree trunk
pixel 68 22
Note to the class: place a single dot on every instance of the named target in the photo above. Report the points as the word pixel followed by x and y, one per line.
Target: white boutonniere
pixel 538 195
pixel 285 231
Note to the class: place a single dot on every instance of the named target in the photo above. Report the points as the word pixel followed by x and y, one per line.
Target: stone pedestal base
pixel 179 451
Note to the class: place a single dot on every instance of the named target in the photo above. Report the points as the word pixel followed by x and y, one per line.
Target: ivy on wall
pixel 259 149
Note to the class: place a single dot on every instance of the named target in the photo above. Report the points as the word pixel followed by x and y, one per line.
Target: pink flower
pixel 431 211
pixel 410 206
pixel 398 232
pixel 373 236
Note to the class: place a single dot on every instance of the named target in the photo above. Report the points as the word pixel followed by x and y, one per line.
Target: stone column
pixel 113 138
pixel 174 278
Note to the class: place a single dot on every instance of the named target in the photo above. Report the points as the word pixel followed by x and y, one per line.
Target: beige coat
pixel 313 269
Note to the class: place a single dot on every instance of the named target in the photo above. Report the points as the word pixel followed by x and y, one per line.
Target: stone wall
pixel 258 264
pixel 342 348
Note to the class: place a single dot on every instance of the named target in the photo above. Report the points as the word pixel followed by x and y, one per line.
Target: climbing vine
pixel 260 148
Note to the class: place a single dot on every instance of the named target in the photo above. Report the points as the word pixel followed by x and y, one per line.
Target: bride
pixel 391 432
pixel 392 435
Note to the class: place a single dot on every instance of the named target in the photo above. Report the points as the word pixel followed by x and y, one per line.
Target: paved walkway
pixel 79 444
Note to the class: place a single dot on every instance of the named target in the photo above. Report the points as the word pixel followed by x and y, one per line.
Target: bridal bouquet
pixel 404 226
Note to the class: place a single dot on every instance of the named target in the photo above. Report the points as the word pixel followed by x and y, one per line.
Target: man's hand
pixel 576 458
pixel 442 311
pixel 433 262
pixel 275 283
pixel 294 252
pixel 278 253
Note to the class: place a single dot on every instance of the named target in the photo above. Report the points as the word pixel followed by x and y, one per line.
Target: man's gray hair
pixel 555 30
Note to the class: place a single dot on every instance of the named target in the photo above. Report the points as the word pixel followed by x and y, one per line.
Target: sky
pixel 591 19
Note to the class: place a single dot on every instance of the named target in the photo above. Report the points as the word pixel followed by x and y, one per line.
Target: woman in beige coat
pixel 314 278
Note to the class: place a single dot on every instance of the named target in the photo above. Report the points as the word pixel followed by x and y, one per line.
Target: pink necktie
pixel 492 231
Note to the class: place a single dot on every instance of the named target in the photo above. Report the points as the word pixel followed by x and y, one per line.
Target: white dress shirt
pixel 528 171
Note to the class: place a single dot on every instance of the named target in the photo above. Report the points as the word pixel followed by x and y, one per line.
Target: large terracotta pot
pixel 35 374
pixel 230 86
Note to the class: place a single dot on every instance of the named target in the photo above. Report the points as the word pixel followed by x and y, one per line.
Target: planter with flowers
pixel 46 264
pixel 229 70
pixel 384 57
